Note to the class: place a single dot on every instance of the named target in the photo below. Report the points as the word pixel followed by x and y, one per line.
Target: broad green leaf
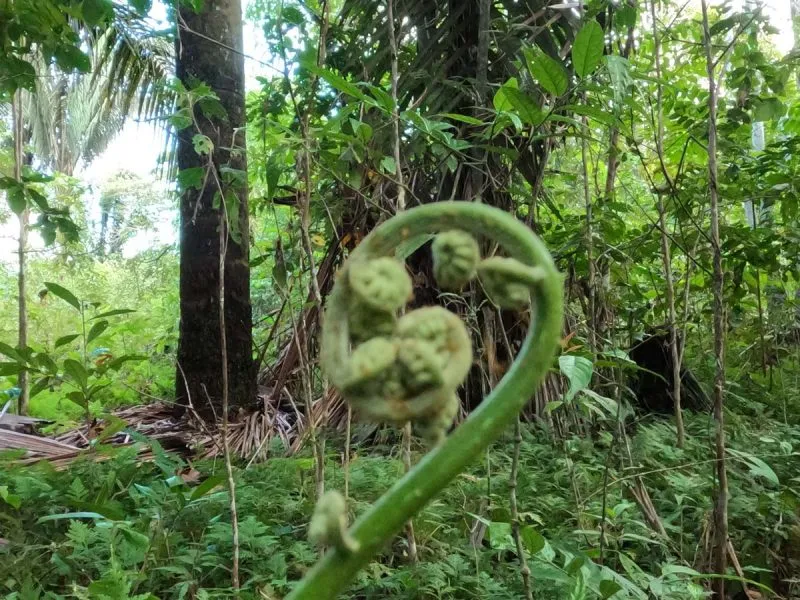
pixel 9 498
pixel 77 371
pixel 619 72
pixel 10 369
pixel 96 12
pixel 69 57
pixel 388 165
pixel 208 485
pixel 12 353
pixel 757 466
pixel 532 539
pixel 202 144
pixel 609 587
pixel 587 50
pixel 500 535
pixel 578 591
pixel 509 99
pixel 548 72
pixel 96 330
pixel 64 294
pixel 407 247
pixel 578 370
pixel 191 178
pixel 78 398
pixel 66 339
pixel 16 199
pixel 40 386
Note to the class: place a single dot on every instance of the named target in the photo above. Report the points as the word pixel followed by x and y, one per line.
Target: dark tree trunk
pixel 209 51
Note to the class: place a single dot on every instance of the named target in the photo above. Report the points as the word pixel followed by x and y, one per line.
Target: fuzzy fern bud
pixel 370 367
pixel 508 282
pixel 455 259
pixel 328 525
pixel 381 284
pixel 366 322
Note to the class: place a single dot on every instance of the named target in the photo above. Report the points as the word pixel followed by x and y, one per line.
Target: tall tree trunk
pixel 22 319
pixel 209 50
pixel 721 509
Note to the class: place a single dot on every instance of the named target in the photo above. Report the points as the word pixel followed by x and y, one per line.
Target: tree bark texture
pixel 209 50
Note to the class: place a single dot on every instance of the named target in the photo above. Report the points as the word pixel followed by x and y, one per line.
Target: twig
pixel 223 344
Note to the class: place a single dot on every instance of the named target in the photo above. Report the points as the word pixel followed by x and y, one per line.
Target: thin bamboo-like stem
pixel 665 246
pixel 525 570
pixel 589 237
pixel 721 509
pixel 410 537
pixel 401 189
pixel 22 242
pixel 223 344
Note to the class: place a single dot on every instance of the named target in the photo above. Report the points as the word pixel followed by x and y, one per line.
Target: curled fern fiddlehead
pixel 329 523
pixel 409 369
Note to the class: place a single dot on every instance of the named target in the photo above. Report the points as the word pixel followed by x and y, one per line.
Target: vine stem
pixel 332 574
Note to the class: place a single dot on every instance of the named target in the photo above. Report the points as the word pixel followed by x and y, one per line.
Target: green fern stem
pixel 375 528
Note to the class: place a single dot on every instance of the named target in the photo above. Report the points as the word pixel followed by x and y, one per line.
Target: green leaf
pixel 10 369
pixel 292 15
pixel 758 467
pixel 191 178
pixel 767 109
pixel 16 74
pixel 44 360
pixel 462 118
pixel 625 16
pixel 407 247
pixel 9 498
pixel 78 398
pixel 548 72
pixel 71 515
pixel 141 6
pixel 609 587
pixel 388 165
pixel 77 371
pixel 587 51
pixel 532 539
pixel 64 294
pixel 208 485
pixel 510 99
pixel 96 12
pixel 202 144
pixel 579 372
pixel 113 313
pixel 40 386
pixel 69 57
pixel 66 339
pixel 12 353
pixel 16 199
pixel 116 363
pixel 96 330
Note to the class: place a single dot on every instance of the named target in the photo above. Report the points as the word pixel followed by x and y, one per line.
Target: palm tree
pixel 69 117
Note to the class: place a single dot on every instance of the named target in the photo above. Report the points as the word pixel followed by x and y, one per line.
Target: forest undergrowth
pixel 120 528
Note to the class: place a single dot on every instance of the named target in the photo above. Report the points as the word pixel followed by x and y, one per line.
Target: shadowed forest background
pixel 156 442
